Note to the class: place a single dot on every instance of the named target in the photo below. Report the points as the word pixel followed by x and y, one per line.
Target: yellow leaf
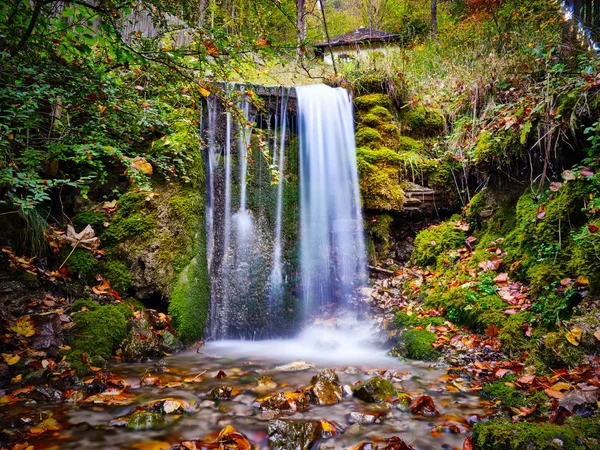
pixel 11 360
pixel 561 386
pixel 151 445
pixel 597 334
pixel 204 92
pixel 140 163
pixel 17 379
pixel 24 327
pixel 574 336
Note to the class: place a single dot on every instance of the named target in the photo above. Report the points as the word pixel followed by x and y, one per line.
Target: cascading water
pixel 270 269
pixel 332 246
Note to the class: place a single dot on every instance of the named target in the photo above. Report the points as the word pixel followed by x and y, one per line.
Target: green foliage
pixel 432 242
pixel 512 335
pixel 93 218
pixel 417 345
pixel 118 274
pixel 403 320
pixel 81 303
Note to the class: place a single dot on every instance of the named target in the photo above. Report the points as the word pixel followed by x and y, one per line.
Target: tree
pixel 374 12
pixel 301 26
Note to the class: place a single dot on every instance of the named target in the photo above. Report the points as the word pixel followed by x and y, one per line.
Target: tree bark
pixel 202 13
pixel 434 22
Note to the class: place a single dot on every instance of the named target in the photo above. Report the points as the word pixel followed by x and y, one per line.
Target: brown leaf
pixel 425 405
pixel 555 186
pixel 140 163
pixel 491 331
pixel 86 239
pixel 103 288
pixel 597 334
pixel 468 444
pixel 592 228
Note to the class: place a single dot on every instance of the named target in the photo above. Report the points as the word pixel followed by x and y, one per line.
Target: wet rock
pixel 37 377
pixel 265 384
pixel 46 394
pixel 374 390
pixel 364 418
pixel 294 434
pixel 356 429
pixel 142 342
pixel 168 343
pixel 325 388
pixel 295 366
pixel 144 420
pixel 222 393
pixel 286 401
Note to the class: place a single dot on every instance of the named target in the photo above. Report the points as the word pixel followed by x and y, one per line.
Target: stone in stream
pixel 222 393
pixel 364 418
pixel 265 384
pixel 374 390
pixel 286 401
pixel 145 420
pixel 325 388
pixel 294 434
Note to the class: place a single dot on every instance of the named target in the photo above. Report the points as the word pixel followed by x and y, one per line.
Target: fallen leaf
pixel 50 329
pixel 86 239
pixel 587 172
pixel 574 336
pixel 555 186
pixel 24 327
pixel 592 228
pixel 140 163
pixel 597 334
pixel 425 405
pixel 468 444
pixel 11 360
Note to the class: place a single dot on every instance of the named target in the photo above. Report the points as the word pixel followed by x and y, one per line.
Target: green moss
pixel 370 101
pixel 81 303
pixel 371 120
pixel 190 300
pixel 382 155
pixel 404 320
pixel 93 218
pixel 138 226
pixel 81 263
pixel 442 179
pixel 512 335
pixel 99 332
pixel 380 186
pixel 378 231
pixel 423 121
pixel 368 137
pixel 130 203
pixel 432 242
pixel 417 345
pixel 408 144
pixel 118 274
pixel 556 351
pixel 502 434
pixel 585 255
pixel 508 395
pixel 382 113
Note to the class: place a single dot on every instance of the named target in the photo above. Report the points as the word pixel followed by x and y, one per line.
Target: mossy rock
pixel 374 390
pixel 556 351
pixel 416 344
pixel 382 113
pixel 325 388
pixel 501 434
pixel 408 144
pixel 370 101
pixel 368 137
pixel 190 300
pixel 118 274
pixel 82 303
pixel 99 332
pixel 585 255
pixel 371 120
pixel 422 121
pixel 432 242
pixel 404 320
pixel 294 434
pixel 145 420
pixel 81 263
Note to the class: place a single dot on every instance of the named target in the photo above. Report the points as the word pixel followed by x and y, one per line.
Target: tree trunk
pixel 202 15
pixel 301 26
pixel 434 23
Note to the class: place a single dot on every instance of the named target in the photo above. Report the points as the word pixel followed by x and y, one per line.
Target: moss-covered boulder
pixel 422 121
pixel 374 390
pixel 145 420
pixel 324 388
pixel 294 434
pixel 501 434
pixel 507 395
pixel 432 242
pixel 416 344
pixel 379 179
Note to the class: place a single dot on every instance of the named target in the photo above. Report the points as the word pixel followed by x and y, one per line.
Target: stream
pixel 192 375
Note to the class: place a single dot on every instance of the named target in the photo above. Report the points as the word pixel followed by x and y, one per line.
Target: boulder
pixel 294 434
pixel 325 388
pixel 145 420
pixel 374 390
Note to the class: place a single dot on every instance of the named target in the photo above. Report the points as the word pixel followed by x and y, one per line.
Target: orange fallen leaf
pixel 574 336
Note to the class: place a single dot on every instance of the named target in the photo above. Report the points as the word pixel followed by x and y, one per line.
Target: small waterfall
pixel 332 246
pixel 211 157
pixel 276 277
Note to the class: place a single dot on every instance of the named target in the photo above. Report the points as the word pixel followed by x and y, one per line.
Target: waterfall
pixel 332 246
pixel 276 277
pixel 278 251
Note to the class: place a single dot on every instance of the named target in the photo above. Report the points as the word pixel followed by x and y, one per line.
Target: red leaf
pixel 587 172
pixel 592 228
pixel 555 186
pixel 468 444
pixel 541 214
